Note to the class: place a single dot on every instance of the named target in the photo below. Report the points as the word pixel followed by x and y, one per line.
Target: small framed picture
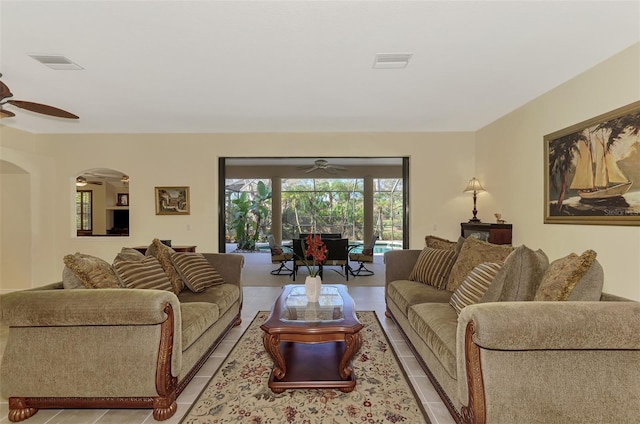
pixel 123 199
pixel 172 200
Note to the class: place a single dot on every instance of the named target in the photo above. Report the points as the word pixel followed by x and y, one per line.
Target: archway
pixel 102 203
pixel 15 221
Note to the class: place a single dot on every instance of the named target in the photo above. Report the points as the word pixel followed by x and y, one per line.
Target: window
pixel 323 205
pixel 369 195
pixel 84 221
pixel 388 208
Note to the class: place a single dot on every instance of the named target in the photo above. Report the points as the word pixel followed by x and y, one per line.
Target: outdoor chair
pixel 364 257
pixel 323 236
pixel 337 255
pixel 279 256
pixel 299 249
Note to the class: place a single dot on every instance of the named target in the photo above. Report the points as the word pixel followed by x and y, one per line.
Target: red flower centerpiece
pixel 316 251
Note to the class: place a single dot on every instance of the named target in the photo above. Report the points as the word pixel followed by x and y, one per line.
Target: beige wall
pixel 510 162
pixel 35 241
pixel 15 237
pixel 507 157
pixel 440 166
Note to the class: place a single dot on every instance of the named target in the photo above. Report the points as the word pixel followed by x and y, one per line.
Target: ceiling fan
pixel 5 94
pixel 100 175
pixel 82 181
pixel 323 165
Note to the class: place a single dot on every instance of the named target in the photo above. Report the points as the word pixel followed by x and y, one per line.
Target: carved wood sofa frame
pixel 474 412
pixel 164 405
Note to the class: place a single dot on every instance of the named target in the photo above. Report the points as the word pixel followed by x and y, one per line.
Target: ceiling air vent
pixel 57 62
pixel 391 60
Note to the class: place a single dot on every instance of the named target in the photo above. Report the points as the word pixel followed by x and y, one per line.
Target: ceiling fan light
pixel 81 181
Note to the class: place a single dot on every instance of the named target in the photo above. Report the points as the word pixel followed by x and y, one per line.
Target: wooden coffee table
pixel 312 343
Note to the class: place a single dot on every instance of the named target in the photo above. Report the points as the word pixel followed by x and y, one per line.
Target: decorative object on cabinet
pixel 172 201
pixel 590 166
pixel 492 233
pixel 475 187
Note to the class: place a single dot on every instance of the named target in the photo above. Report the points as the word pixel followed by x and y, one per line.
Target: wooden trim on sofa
pixel 443 395
pixel 475 412
pixel 164 406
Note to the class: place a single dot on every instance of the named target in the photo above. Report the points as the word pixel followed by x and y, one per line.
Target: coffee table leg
pixel 271 344
pixel 352 345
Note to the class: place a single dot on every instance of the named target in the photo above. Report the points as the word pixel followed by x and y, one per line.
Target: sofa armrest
pixel 37 312
pixel 553 325
pixel 229 265
pixel 51 308
pixel 399 264
pixel 549 358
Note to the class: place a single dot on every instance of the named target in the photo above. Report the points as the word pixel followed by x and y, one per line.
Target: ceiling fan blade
pixel 313 168
pixel 4 91
pixel 6 114
pixel 43 109
pixel 338 168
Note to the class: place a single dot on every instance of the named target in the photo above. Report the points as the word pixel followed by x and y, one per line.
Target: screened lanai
pixel 286 197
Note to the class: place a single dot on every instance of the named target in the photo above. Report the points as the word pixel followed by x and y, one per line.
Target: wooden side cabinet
pixel 493 233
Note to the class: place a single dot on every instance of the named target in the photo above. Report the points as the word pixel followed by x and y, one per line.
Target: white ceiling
pixel 298 66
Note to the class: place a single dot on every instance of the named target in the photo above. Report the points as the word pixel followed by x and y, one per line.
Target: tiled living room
pixel 367 293
pixel 165 90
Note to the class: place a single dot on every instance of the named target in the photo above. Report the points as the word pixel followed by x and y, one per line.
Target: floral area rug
pixel 238 391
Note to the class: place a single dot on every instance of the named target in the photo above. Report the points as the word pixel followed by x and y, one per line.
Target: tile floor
pixel 255 299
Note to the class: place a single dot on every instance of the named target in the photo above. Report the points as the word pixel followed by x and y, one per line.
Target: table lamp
pixel 475 187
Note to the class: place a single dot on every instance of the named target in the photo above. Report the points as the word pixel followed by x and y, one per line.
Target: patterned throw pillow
pixel 563 274
pixel 473 253
pixel 163 254
pixel 93 272
pixel 439 243
pixel 144 274
pixel 433 266
pixel 474 286
pixel 129 254
pixel 196 271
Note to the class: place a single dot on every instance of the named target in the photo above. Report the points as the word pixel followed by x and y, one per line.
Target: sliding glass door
pixel 263 196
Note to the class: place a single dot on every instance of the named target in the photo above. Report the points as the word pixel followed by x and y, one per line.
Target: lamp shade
pixel 474 185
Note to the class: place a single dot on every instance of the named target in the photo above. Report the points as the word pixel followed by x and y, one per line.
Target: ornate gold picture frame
pixel 172 200
pixel 592 170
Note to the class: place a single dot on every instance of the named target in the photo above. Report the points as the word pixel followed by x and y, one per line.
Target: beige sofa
pixel 521 361
pixel 113 348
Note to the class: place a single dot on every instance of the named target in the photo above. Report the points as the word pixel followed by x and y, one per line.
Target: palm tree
pixel 618 126
pixel 561 152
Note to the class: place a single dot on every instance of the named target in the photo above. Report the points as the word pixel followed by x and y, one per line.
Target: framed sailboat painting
pixel 592 170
